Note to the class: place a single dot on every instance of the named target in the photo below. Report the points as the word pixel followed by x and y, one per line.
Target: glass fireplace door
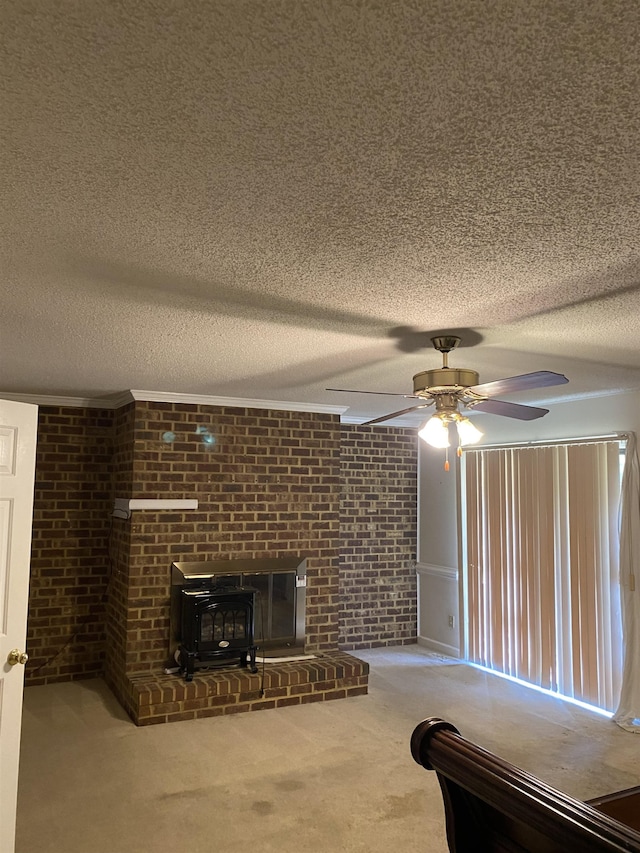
pixel 275 606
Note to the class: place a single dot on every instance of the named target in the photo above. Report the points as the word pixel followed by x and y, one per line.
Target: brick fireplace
pixel 268 485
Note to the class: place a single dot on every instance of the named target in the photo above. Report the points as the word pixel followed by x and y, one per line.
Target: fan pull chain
pixel 446 456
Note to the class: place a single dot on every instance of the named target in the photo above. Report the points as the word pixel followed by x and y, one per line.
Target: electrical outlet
pixel 452 621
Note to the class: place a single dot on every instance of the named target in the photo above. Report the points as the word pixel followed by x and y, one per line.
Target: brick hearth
pixel 168 698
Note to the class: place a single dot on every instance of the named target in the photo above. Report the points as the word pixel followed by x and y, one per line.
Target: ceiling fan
pixel 449 387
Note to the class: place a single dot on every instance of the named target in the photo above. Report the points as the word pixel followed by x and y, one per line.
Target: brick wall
pixel 378 515
pixel 267 485
pixel 69 555
pixel 120 542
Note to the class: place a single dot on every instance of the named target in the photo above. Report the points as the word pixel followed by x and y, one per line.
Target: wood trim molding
pixel 437 571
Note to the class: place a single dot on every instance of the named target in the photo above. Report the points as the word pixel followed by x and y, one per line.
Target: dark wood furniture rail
pixel 491 805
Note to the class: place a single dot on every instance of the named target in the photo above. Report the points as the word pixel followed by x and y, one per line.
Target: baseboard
pixel 441 648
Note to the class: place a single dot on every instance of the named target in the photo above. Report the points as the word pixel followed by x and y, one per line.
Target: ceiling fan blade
pixel 396 414
pixel 509 410
pixel 386 393
pixel 540 379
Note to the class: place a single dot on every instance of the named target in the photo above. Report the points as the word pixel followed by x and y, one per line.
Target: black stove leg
pixel 252 659
pixel 187 664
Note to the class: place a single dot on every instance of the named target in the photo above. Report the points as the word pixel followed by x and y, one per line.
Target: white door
pixel 18 425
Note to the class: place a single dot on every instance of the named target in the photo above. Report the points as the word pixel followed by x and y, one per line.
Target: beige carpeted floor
pixel 329 777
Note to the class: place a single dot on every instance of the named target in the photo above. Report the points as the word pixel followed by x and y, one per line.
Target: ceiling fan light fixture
pixel 468 433
pixel 435 431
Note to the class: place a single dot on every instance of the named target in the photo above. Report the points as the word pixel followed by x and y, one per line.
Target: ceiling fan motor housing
pixel 444 379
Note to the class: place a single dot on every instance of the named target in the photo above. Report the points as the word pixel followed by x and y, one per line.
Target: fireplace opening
pixel 269 612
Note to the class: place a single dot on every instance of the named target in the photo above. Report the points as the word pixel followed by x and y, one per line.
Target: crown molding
pixel 56 400
pixel 123 398
pixel 235 402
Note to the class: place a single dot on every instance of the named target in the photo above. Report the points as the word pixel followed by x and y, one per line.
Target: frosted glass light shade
pixel 467 432
pixel 435 432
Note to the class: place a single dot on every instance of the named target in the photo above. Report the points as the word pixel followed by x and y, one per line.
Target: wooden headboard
pixel 491 805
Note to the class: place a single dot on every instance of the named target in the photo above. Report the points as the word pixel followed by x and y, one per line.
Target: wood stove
pixel 217 626
pixel 220 609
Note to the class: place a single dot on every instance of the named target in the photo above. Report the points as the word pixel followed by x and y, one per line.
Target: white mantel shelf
pixel 123 507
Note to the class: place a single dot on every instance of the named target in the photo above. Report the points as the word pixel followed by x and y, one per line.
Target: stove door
pixel 223 623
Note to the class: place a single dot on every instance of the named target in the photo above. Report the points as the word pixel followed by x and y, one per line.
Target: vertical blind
pixel 541 566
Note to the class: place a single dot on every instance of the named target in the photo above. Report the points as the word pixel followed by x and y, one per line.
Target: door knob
pixel 16 656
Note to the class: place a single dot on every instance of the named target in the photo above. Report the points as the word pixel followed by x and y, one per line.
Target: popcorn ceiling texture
pixel 248 197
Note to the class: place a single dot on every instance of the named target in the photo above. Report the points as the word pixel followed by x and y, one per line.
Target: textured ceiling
pixel 265 198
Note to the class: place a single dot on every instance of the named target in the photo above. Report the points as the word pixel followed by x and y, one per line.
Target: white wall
pixel 438 505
